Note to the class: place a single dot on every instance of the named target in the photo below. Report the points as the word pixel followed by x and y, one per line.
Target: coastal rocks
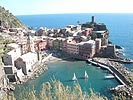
pixel 123 92
pixel 125 75
pixel 118 47
pixel 39 71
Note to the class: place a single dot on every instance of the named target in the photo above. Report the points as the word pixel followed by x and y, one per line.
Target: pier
pixel 112 69
pixel 128 61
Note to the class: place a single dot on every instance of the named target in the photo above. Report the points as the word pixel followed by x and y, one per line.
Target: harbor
pixel 64 72
pixel 110 69
pixel 28 58
pixel 125 85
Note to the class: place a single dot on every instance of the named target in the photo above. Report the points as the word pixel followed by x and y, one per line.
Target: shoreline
pixel 41 67
pixel 52 59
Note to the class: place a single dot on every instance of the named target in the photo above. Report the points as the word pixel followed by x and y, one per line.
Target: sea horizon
pixel 68 13
pixel 119 25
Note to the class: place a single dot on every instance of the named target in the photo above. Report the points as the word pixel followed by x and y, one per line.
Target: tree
pixel 55 90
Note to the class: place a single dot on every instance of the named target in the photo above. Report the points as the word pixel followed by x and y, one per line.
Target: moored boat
pixel 86 75
pixel 109 76
pixel 74 77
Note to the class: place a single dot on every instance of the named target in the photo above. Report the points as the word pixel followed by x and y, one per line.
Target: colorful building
pixel 72 47
pixel 50 43
pixel 103 35
pixel 98 45
pixel 40 45
pixel 87 49
pixel 56 44
pixel 88 31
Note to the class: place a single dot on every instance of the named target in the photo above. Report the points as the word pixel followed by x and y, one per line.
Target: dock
pixel 128 61
pixel 111 69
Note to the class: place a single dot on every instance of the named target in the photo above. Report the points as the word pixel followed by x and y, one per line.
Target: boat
pixel 89 64
pixel 74 77
pixel 109 76
pixel 86 75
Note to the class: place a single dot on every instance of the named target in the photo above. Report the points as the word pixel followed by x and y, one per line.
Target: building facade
pixel 40 45
pixel 8 62
pixel 72 48
pixel 98 45
pixel 87 49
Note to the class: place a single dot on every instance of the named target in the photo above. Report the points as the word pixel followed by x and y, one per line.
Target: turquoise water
pixel 64 71
pixel 121 33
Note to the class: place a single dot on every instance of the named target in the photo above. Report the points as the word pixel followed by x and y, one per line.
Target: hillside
pixel 8 19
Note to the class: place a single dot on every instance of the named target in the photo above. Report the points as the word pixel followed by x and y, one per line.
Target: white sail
pixel 74 77
pixel 86 75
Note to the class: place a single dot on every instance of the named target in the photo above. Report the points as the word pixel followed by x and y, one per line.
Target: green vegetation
pixel 93 36
pixel 9 19
pixel 3 45
pixel 57 91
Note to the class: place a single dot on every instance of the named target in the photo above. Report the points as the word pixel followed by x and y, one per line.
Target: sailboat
pixel 86 75
pixel 74 77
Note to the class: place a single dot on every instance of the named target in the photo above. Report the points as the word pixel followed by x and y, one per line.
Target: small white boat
pixel 86 75
pixel 89 64
pixel 109 76
pixel 74 77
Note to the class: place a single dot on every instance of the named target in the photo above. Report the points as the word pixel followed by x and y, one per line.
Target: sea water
pixel 121 33
pixel 63 71
pixel 119 25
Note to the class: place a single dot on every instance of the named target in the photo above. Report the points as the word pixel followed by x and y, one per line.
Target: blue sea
pixel 120 27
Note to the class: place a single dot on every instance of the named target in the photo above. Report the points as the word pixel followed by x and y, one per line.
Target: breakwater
pixel 128 61
pixel 114 71
pixel 120 72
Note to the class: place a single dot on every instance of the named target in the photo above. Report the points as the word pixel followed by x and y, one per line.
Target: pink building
pixel 87 49
pixel 40 45
pixel 88 31
pixel 72 47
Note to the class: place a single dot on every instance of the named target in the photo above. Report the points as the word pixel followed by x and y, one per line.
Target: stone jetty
pixel 121 73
